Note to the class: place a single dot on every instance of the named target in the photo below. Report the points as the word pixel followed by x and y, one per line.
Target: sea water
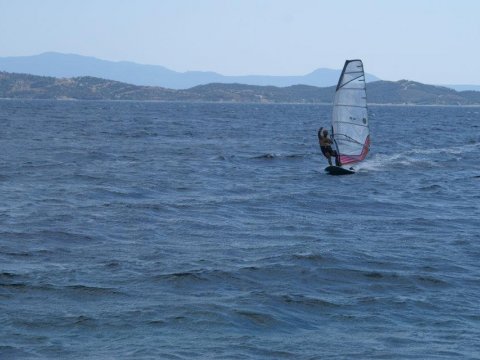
pixel 147 230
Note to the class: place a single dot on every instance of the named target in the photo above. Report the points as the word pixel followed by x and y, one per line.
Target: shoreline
pixel 234 102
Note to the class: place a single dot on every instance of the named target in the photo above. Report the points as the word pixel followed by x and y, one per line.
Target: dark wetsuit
pixel 325 147
pixel 327 151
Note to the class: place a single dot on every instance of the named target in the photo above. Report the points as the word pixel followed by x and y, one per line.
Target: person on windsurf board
pixel 326 146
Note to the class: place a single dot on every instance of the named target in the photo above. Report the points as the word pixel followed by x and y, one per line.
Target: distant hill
pixel 411 92
pixel 26 86
pixel 69 65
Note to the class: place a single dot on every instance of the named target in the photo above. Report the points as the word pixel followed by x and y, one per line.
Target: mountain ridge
pixel 73 65
pixel 26 86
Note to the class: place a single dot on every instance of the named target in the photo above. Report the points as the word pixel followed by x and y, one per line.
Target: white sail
pixel 351 133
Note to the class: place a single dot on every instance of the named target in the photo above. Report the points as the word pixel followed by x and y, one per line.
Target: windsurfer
pixel 326 146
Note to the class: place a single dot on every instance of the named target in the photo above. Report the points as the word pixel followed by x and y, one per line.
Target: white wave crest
pixel 421 157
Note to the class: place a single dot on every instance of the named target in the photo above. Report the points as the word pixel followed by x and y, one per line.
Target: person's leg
pixel 337 158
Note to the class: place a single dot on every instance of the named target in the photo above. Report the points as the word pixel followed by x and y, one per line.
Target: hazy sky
pixel 432 41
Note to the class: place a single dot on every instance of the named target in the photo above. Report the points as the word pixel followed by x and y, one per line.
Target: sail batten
pixel 350 115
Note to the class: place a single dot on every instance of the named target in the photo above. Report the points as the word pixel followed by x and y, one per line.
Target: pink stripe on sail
pixel 348 159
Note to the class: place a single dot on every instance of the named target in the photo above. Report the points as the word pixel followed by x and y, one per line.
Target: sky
pixel 431 41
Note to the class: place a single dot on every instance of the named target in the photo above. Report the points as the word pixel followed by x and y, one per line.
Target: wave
pixel 7 275
pixel 432 188
pixel 21 283
pixel 267 156
pixel 13 352
pixel 92 290
pixel 278 156
pixel 258 318
pixel 306 269
pixel 428 158
pixel 49 235
pixel 296 299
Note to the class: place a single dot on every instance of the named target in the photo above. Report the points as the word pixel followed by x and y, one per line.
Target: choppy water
pixel 135 230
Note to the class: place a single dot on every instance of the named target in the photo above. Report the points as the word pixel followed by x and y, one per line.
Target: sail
pixel 351 133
